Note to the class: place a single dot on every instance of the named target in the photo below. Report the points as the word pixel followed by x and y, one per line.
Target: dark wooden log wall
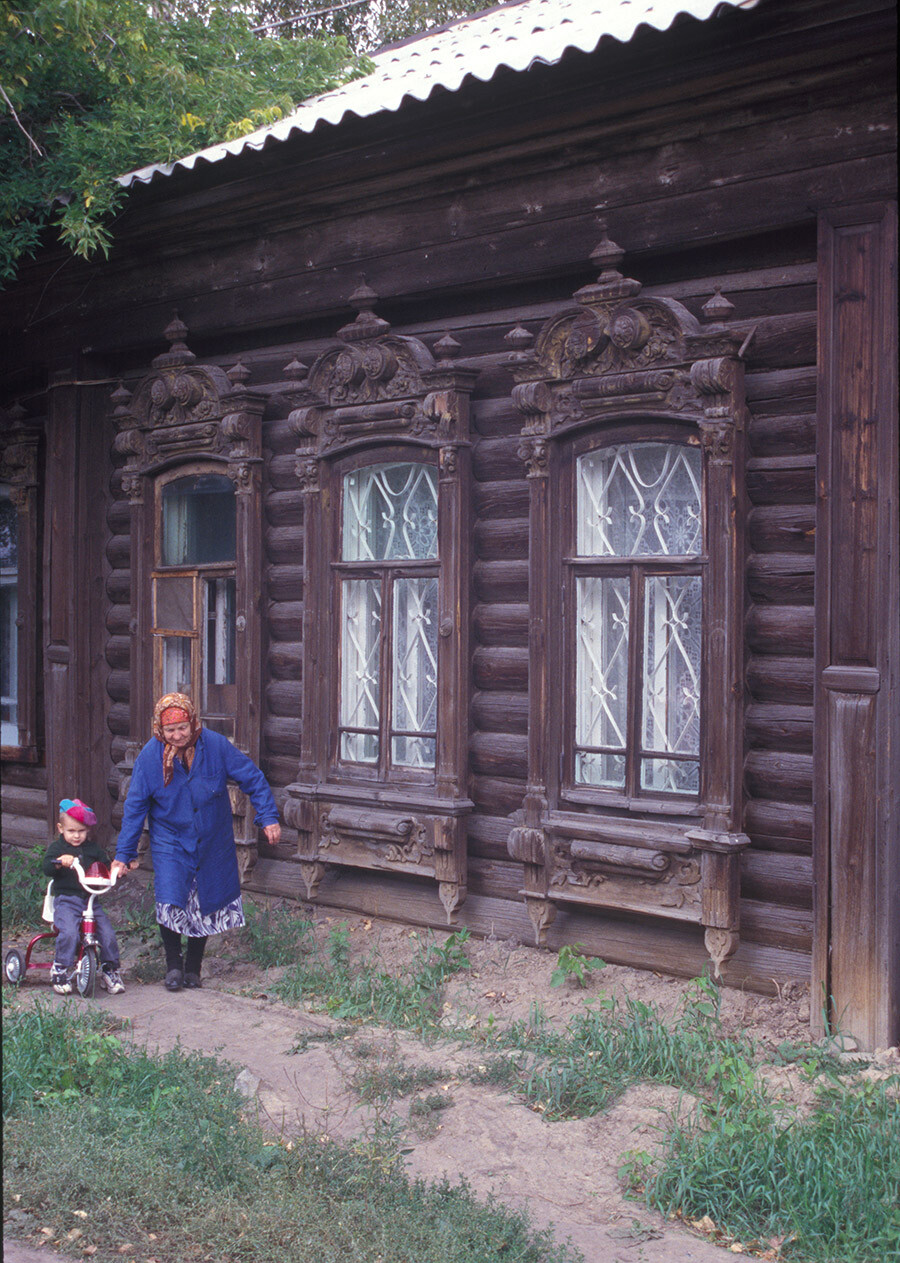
pixel 711 167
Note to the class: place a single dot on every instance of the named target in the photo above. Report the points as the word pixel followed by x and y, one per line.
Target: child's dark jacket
pixel 65 880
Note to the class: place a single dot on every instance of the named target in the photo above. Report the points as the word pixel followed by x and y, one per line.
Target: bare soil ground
pixel 297 1068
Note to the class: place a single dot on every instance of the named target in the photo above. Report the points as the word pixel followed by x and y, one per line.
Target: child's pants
pixel 67 913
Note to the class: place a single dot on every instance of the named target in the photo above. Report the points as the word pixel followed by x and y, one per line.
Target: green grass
pixel 828 1183
pixel 275 935
pixel 366 990
pixel 24 887
pixel 193 1171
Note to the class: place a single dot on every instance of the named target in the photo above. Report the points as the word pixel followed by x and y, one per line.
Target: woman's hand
pixel 273 833
pixel 117 868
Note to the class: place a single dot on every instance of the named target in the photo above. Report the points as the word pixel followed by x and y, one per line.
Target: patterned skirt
pixel 191 921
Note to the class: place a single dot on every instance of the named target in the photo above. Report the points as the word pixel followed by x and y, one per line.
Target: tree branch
pixel 18 122
pixel 315 13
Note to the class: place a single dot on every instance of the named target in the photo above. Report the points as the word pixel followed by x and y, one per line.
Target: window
pixel 194 594
pixel 388 601
pixel 635 581
pixel 9 638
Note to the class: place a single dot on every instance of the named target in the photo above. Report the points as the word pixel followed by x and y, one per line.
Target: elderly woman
pixel 180 782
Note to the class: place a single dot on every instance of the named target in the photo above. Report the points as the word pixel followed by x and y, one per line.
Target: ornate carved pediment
pixel 617 351
pixel 184 411
pixel 376 383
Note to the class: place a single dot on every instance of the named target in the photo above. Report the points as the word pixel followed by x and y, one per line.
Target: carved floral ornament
pixel 620 352
pixel 184 410
pixel 376 383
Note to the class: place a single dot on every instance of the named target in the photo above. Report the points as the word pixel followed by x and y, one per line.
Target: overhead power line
pixel 314 13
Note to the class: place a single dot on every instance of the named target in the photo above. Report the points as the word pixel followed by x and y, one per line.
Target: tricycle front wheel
pixel 14 966
pixel 86 972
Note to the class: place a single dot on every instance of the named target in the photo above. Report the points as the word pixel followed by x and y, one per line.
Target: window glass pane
pixel 670 776
pixel 390 513
pixel 176 664
pixel 639 500
pixel 601 680
pixel 414 672
pixel 360 668
pixel 673 610
pixel 175 603
pixel 219 681
pixel 198 521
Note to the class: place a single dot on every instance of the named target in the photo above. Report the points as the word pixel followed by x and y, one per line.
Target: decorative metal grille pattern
pixel 390 513
pixel 673 608
pixel 414 717
pixel 639 500
pixel 601 689
pixel 360 669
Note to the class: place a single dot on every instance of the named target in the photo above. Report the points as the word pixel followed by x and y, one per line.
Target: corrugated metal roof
pixel 515 36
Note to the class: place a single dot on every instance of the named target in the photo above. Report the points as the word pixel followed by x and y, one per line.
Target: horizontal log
pixel 285 660
pixel 496 797
pixel 284 545
pixel 776 926
pixel 496 712
pixel 781 578
pixel 786 680
pixel 25 833
pixel 281 736
pixel 781 629
pixel 284 698
pixel 285 620
pixel 770 726
pixel 500 668
pixel 497 582
pixel 118 551
pixel 502 539
pixel 279 770
pixel 782 435
pixel 277 435
pixel 779 775
pixel 781 480
pixel 785 387
pixel 282 472
pixel 118 587
pixel 498 754
pixel 25 801
pixel 118 685
pixel 284 508
pixel 782 528
pixel 780 340
pixel 783 880
pixel 284 583
pixel 118 619
pixel 505 624
pixel 28 775
pixel 779 826
pixel 500 499
pixel 487 836
pixel 496 460
pixel 118 517
pixel 118 651
pixel 117 748
pixel 118 719
pixel 492 418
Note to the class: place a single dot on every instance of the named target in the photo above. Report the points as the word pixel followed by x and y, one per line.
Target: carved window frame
pixel 181 419
pixel 19 453
pixel 373 398
pixel 622 363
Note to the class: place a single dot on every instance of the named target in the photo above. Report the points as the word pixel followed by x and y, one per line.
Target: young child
pixel 73 842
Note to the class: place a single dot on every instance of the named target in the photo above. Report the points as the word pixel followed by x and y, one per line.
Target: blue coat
pixel 190 821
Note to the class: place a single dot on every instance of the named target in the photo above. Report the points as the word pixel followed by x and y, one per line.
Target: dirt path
pixel 564 1173
pixel 297 1068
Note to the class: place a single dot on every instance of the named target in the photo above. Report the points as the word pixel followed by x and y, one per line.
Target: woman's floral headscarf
pixel 175 708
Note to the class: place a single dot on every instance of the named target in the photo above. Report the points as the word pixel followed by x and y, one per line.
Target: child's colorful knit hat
pixel 78 810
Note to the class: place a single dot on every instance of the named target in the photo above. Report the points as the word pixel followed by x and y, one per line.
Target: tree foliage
pixel 92 89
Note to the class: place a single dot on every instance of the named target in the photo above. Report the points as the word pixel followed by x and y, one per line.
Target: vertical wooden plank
pixel 856 848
